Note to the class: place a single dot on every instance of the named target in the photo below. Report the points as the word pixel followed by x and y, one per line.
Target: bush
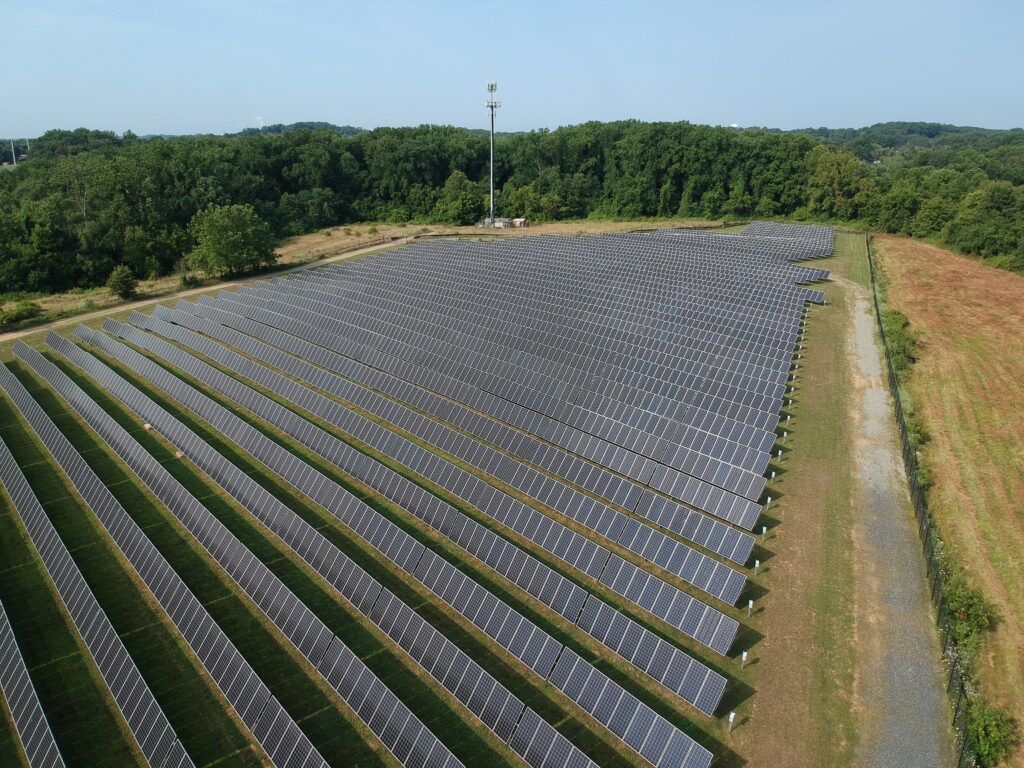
pixel 991 731
pixel 902 342
pixel 122 282
pixel 20 312
pixel 970 614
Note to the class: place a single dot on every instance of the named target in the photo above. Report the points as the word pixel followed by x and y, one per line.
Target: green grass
pixel 339 740
pixel 207 732
pixel 804 674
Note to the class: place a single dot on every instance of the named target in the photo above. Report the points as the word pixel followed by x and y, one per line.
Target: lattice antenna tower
pixel 492 105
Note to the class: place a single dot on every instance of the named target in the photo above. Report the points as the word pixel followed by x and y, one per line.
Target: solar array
pixel 413 744
pixel 146 721
pixel 821 240
pixel 534 647
pixel 589 420
pixel 233 675
pixel 37 740
pixel 685 676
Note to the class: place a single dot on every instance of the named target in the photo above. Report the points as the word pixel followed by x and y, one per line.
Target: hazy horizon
pixel 188 67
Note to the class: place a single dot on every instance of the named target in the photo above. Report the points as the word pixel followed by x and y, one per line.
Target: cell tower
pixel 492 105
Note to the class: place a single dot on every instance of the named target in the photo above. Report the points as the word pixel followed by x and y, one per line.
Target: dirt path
pixel 899 700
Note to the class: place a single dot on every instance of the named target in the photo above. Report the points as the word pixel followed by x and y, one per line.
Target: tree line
pixel 88 201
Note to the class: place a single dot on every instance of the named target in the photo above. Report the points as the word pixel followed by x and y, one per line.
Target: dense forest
pixel 86 201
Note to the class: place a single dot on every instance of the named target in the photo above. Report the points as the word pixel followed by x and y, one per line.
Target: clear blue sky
pixel 174 66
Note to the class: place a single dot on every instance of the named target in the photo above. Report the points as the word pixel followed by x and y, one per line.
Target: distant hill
pixel 310 125
pixel 882 140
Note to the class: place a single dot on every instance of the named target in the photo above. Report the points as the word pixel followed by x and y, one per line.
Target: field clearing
pixel 967 387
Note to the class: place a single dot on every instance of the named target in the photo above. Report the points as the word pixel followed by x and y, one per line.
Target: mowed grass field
pixel 968 388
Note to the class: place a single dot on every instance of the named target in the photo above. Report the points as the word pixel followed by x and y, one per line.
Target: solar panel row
pixel 239 683
pixel 757 246
pixel 685 676
pixel 412 744
pixel 700 621
pixel 690 565
pixel 16 687
pixel 531 645
pixel 594 477
pixel 146 721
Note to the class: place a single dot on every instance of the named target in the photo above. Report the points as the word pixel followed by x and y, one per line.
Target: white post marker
pixel 773 474
pixel 750 607
pixel 757 564
pixel 732 717
pixel 764 530
pixel 768 503
pixel 743 660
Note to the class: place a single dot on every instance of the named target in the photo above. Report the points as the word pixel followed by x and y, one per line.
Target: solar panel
pixel 230 672
pixel 133 697
pixel 673 556
pixel 518 635
pixel 16 687
pixel 568 545
pixel 309 635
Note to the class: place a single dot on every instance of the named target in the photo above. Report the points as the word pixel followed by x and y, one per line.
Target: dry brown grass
pixel 968 388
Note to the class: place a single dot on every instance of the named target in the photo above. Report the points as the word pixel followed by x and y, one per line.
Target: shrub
pixel 20 312
pixel 991 731
pixel 902 341
pixel 970 614
pixel 122 282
